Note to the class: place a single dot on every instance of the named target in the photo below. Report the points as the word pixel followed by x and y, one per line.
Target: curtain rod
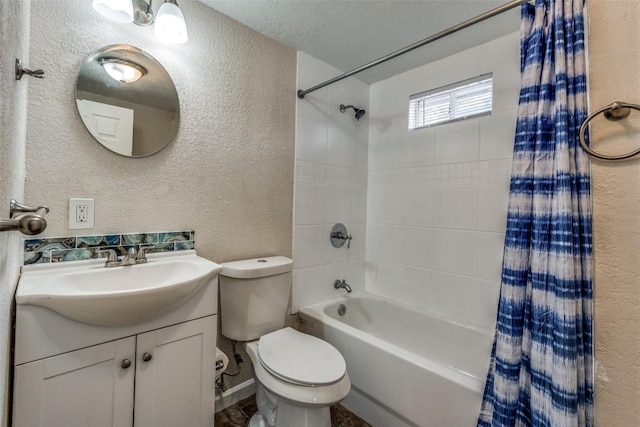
pixel 489 14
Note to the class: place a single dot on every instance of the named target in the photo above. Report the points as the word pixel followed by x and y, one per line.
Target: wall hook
pixel 38 74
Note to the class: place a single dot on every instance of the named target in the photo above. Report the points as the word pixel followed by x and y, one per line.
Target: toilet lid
pixel 301 358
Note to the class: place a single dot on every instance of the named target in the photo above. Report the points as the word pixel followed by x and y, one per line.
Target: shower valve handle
pixel 342 236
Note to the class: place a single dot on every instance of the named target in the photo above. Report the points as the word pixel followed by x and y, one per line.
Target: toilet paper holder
pixel 222 361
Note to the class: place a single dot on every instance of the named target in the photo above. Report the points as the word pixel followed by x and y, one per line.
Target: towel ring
pixel 612 112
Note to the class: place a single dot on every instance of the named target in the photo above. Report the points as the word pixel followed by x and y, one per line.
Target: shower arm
pixel 359 111
pixel 468 23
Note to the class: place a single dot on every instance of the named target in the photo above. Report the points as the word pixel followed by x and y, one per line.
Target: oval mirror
pixel 127 101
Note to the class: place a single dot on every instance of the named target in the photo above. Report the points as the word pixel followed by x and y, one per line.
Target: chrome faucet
pixel 342 284
pixel 112 257
pixel 132 257
pixel 141 258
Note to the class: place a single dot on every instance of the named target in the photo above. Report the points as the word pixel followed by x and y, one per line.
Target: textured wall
pixel 228 174
pixel 614 65
pixel 14 42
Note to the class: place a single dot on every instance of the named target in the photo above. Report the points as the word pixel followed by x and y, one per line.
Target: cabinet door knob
pixel 146 357
pixel 125 363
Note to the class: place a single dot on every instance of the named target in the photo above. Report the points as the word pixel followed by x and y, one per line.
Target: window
pixel 458 101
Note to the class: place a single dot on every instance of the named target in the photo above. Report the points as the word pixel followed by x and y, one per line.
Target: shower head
pixel 359 112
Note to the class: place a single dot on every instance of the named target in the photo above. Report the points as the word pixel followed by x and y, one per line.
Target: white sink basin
pixel 117 296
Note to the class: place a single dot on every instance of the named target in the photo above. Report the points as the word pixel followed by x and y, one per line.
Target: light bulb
pixel 116 10
pixel 121 70
pixel 169 25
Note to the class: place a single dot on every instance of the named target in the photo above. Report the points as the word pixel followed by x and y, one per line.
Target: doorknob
pixel 125 363
pixel 146 357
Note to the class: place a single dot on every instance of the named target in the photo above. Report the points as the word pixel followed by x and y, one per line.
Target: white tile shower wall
pixel 330 184
pixel 437 197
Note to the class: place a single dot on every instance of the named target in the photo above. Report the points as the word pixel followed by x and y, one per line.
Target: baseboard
pixel 234 394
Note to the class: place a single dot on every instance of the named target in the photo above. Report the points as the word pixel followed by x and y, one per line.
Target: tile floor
pixel 239 414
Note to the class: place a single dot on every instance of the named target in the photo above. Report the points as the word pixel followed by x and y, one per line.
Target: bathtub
pixel 407 367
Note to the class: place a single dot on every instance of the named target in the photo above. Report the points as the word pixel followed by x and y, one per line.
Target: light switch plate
pixel 81 213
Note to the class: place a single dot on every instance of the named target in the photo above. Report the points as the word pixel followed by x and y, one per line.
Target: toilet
pixel 298 376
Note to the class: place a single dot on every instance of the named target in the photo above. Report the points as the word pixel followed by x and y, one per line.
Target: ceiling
pixel 351 33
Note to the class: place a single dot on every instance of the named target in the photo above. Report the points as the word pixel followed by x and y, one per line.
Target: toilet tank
pixel 254 296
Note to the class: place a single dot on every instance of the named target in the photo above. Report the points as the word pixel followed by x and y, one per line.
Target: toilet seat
pixel 305 395
pixel 300 359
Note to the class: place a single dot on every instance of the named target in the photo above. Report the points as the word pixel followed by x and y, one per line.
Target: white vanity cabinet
pixel 175 375
pixel 159 373
pixel 82 388
pixel 173 370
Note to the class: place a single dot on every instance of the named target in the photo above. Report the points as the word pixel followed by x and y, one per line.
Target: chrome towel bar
pixel 613 112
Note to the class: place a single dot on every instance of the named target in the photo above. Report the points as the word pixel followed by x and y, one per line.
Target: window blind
pixel 458 101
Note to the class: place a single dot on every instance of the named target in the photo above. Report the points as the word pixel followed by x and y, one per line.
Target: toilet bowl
pixel 298 376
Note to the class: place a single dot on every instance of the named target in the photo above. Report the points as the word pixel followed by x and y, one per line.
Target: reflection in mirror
pixel 121 70
pixel 127 101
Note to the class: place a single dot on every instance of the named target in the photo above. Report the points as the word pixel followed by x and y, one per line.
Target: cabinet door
pixel 83 388
pixel 175 375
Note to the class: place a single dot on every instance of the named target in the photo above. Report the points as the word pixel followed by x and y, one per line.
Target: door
pixel 175 375
pixel 109 124
pixel 91 387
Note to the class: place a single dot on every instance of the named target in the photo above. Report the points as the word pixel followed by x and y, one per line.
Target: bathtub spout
pixel 342 284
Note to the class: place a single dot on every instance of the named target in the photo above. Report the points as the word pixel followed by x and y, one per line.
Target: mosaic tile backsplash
pixel 58 249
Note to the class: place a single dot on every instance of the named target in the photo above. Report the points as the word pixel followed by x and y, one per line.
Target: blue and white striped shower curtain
pixel 541 371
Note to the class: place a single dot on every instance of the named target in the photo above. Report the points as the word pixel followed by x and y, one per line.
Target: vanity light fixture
pixel 116 10
pixel 122 70
pixel 169 25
